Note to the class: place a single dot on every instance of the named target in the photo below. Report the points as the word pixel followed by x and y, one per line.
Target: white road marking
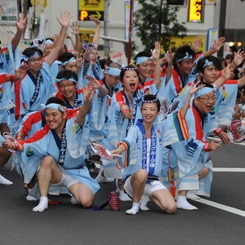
pixel 221 206
pixel 236 170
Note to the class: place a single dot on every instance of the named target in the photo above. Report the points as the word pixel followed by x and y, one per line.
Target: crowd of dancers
pixel 153 117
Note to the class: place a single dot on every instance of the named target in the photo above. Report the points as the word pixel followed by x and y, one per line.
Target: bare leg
pixel 138 181
pixel 203 172
pixel 164 200
pixel 49 172
pixel 82 194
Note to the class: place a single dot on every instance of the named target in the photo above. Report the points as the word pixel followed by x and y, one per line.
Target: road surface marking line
pixel 221 206
pixel 241 170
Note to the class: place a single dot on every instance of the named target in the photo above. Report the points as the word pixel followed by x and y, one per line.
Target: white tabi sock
pixel 124 197
pixel 73 200
pixel 184 204
pixel 143 203
pixel 134 209
pixel 43 204
pixel 5 181
pixel 192 196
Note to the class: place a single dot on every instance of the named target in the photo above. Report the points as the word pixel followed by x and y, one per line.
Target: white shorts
pixel 66 180
pixel 154 185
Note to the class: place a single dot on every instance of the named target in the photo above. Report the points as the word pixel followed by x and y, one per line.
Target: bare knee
pixel 46 162
pixel 171 208
pixel 87 203
pixel 140 176
pixel 203 172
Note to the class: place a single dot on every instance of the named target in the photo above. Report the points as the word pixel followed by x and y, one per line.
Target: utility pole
pixel 106 22
pixel 222 17
pixel 130 32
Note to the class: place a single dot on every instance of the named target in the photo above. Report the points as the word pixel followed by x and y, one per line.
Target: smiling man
pixel 57 153
pixel 194 162
pixel 183 63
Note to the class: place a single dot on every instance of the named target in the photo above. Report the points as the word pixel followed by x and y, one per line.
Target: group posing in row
pixel 154 116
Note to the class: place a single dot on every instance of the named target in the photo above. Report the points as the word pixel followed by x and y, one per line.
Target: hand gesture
pixel 126 112
pixel 156 52
pixel 194 89
pixel 65 18
pixel 21 23
pixel 169 56
pixel 8 144
pixel 93 82
pixel 214 145
pixel 227 72
pixel 88 94
pixel 217 44
pixel 21 71
pixel 224 137
pixel 115 153
pixel 95 20
pixel 75 28
pixel 196 44
pixel 239 56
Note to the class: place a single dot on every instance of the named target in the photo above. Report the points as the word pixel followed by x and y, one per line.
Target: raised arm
pixel 64 21
pixel 156 56
pixel 84 109
pixel 19 74
pixel 97 31
pixel 103 91
pixel 169 58
pixel 239 56
pixel 192 91
pixel 76 31
pixel 21 25
pixel 225 75
pixel 217 44
pixel 196 44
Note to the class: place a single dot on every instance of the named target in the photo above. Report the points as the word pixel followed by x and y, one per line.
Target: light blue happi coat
pixel 97 117
pixel 90 69
pixel 116 129
pixel 9 61
pixel 148 87
pixel 77 141
pixel 191 157
pixel 28 88
pixel 167 131
pixel 170 89
pixel 226 102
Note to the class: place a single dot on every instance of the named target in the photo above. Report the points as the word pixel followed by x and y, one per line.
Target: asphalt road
pixel 219 219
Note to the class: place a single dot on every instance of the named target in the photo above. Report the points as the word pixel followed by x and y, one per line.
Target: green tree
pixel 157 21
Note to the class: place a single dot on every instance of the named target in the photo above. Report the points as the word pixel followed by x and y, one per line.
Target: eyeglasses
pixel 115 77
pixel 33 59
pixel 208 99
pixel 67 85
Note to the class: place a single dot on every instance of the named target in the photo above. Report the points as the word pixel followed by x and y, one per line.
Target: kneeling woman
pixel 144 145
